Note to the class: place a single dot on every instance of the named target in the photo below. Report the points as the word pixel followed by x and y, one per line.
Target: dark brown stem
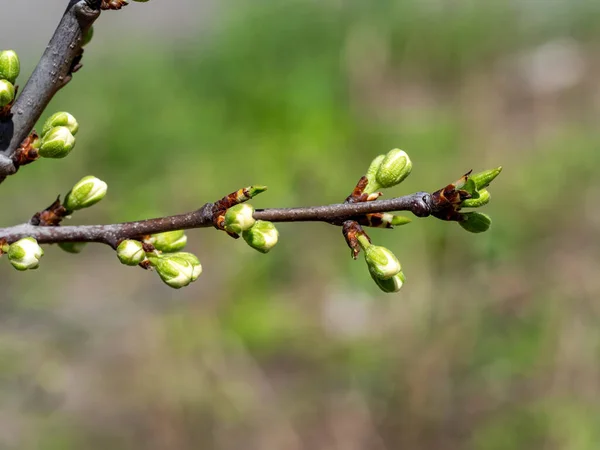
pixel 420 204
pixel 51 74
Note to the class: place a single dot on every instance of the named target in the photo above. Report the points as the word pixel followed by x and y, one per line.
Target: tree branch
pixel 51 74
pixel 420 204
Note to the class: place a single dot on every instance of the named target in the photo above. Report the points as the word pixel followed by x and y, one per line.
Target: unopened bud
pixel 382 262
pixel 177 269
pixel 390 285
pixel 87 192
pixel 131 252
pixel 239 218
pixel 7 93
pixel 10 67
pixel 373 185
pixel 170 241
pixel 483 179
pixel 57 143
pixel 394 168
pixel 25 254
pixel 72 247
pixel 483 198
pixel 475 222
pixel 262 236
pixel 87 36
pixel 60 119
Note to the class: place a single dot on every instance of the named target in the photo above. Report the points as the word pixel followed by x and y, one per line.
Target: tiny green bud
pixel 382 262
pixel 390 285
pixel 7 93
pixel 483 179
pixel 482 198
pixel 373 186
pixel 57 143
pixel 131 252
pixel 25 254
pixel 87 192
pixel 72 247
pixel 239 218
pixel 475 222
pixel 170 241
pixel 399 220
pixel 262 236
pixel 10 67
pixel 394 168
pixel 253 191
pixel 177 269
pixel 87 36
pixel 60 119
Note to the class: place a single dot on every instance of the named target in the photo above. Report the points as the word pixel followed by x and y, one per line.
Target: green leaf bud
pixel 7 93
pixel 479 199
pixel 87 36
pixel 72 247
pixel 239 218
pixel 177 269
pixel 394 168
pixel 483 179
pixel 57 143
pixel 475 222
pixel 382 262
pixel 262 236
pixel 131 252
pixel 10 67
pixel 87 192
pixel 170 241
pixel 390 285
pixel 373 186
pixel 60 119
pixel 25 254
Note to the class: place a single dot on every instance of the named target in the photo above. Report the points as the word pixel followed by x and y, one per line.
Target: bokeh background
pixel 492 344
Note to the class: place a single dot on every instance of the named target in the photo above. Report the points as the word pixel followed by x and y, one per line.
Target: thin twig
pixel 51 74
pixel 420 204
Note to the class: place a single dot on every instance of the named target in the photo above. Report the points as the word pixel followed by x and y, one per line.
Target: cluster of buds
pixel 388 170
pixel 478 195
pixel 236 217
pixel 58 136
pixel 10 67
pixel 162 252
pixel 384 267
pixel 25 254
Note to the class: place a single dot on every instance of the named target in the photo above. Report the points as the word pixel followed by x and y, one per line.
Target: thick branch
pixel 51 74
pixel 420 204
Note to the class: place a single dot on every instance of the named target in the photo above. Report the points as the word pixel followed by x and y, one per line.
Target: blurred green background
pixel 492 344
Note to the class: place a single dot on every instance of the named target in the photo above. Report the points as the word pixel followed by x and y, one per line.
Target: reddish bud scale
pixel 446 201
pixel 26 153
pixel 52 216
pixel 351 230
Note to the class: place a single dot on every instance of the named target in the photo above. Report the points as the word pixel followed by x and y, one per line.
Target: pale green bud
pixel 87 192
pixel 239 218
pixel 131 252
pixel 177 269
pixel 373 186
pixel 25 254
pixel 476 222
pixel 170 241
pixel 57 143
pixel 394 168
pixel 483 198
pixel 87 36
pixel 7 93
pixel 382 262
pixel 194 261
pixel 262 236
pixel 60 119
pixel 72 247
pixel 10 67
pixel 483 179
pixel 390 285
